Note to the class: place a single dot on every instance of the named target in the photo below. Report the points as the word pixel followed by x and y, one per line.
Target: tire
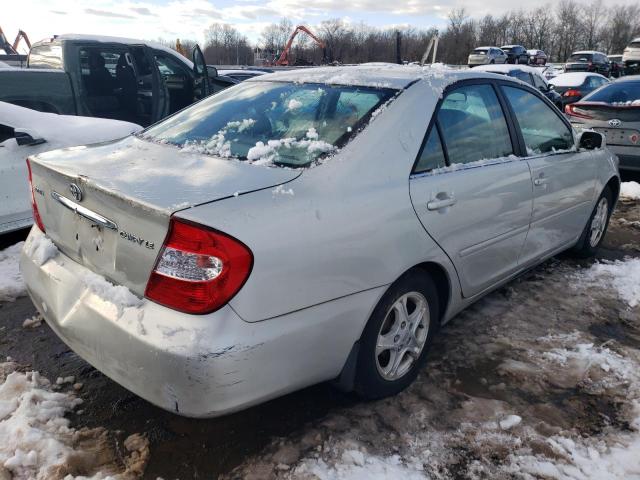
pixel 589 241
pixel 377 375
pixel 492 62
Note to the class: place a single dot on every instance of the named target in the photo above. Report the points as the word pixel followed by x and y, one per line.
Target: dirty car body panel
pixel 327 241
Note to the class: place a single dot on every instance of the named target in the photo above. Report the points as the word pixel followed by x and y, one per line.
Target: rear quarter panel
pixel 342 227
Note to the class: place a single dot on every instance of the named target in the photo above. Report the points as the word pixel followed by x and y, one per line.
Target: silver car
pixel 486 56
pixel 614 111
pixel 306 226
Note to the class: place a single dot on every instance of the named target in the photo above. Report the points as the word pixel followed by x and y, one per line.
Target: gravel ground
pixel 538 380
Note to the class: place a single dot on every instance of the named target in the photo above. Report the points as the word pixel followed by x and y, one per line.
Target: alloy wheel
pixel 402 336
pixel 598 222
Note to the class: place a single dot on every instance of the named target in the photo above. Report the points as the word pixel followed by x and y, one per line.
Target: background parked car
pixel 107 77
pixel 241 74
pixel 588 61
pixel 537 57
pixel 614 111
pixel 574 86
pixel 25 132
pixel 516 54
pixel 531 75
pixel 486 56
pixel 617 65
pixel 631 57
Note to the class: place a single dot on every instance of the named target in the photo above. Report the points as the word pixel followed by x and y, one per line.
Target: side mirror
pixel 551 86
pixel 26 137
pixel 590 140
pixel 213 71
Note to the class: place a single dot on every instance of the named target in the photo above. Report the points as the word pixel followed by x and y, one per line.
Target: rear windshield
pixel 625 93
pixel 580 57
pixel 287 124
pixel 634 44
pixel 506 49
pixel 481 51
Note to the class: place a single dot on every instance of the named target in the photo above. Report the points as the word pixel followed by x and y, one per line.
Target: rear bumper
pixel 195 365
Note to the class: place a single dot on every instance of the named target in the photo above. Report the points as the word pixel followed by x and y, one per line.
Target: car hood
pixel 162 176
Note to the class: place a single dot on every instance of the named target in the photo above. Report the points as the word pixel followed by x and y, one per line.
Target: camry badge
pixel 614 122
pixel 76 192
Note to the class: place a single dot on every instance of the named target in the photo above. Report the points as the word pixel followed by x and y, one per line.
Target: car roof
pixel 590 52
pixel 506 68
pixel 573 78
pixel 239 71
pixel 628 79
pixel 109 39
pixel 381 76
pixel 515 45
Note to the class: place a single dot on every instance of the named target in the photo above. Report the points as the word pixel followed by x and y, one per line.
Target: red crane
pixel 284 56
pixel 12 49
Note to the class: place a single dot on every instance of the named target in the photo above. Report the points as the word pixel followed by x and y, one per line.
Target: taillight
pixel 572 92
pixel 34 206
pixel 575 111
pixel 198 269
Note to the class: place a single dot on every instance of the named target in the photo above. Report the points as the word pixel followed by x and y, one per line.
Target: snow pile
pixel 263 154
pixel 294 104
pixel 11 284
pixel 280 190
pixel 623 276
pixel 40 248
pixel 118 295
pixel 630 190
pixel 37 442
pixel 218 144
pixel 355 465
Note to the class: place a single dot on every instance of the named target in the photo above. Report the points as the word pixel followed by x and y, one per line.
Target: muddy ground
pixel 483 364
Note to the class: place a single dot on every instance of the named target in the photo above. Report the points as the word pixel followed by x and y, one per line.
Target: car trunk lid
pixel 128 190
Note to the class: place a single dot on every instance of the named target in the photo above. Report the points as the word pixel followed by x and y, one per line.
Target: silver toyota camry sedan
pixel 305 226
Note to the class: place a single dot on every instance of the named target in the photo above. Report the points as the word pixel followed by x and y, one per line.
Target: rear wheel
pixel 397 337
pixel 596 227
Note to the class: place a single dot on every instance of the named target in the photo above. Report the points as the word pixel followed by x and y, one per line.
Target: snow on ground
pixel 11 284
pixel 630 190
pixel 37 441
pixel 528 383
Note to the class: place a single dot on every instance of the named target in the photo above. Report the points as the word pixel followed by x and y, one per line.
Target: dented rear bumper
pixel 193 365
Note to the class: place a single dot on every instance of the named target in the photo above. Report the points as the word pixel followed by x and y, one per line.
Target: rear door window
pixel 523 76
pixel 473 125
pixel 432 155
pixel 542 129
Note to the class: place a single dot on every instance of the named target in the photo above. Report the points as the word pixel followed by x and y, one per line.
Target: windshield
pixel 287 124
pixel 480 51
pixel 580 57
pixel 623 93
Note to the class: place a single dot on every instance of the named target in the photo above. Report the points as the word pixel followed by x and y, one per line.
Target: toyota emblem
pixel 614 122
pixel 76 192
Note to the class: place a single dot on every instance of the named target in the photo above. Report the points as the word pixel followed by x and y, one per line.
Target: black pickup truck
pixel 108 77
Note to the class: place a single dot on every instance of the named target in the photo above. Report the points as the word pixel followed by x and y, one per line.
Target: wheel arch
pixel 442 281
pixel 614 186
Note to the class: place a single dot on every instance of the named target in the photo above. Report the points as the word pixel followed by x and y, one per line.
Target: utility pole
pixel 398 45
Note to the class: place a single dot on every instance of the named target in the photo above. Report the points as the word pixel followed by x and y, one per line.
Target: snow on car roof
pixel 573 79
pixel 380 76
pixel 108 39
pixel 586 52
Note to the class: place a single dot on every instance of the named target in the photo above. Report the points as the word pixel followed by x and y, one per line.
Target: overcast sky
pixel 172 19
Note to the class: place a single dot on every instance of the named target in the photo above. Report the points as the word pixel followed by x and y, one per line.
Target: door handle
pixel 540 181
pixel 439 203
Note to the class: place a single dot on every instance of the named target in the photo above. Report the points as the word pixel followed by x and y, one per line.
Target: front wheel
pixel 596 227
pixel 395 341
